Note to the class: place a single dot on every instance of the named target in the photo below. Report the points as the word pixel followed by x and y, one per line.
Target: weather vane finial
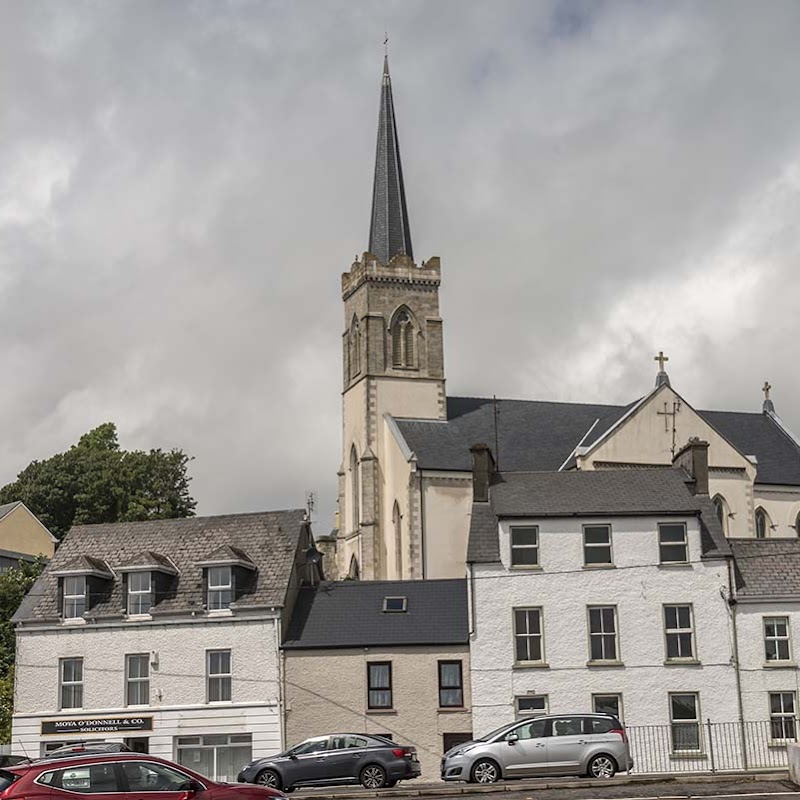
pixel 386 43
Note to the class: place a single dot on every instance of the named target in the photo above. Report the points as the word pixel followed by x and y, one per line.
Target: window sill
pixel 381 711
pixel 73 621
pixel 138 617
pixel 675 565
pixel 779 744
pixel 780 665
pixel 599 566
pixel 526 567
pixel 688 755
pixel 219 612
pixel 599 663
pixel 682 662
pixel 452 709
pixel 530 665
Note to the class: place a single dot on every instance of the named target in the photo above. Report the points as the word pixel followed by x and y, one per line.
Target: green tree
pixel 14 585
pixel 95 481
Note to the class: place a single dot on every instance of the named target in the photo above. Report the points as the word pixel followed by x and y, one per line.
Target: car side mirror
pixel 190 789
pixel 512 738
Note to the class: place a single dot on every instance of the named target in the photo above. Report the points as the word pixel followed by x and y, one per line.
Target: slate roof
pixel 6 508
pixel 350 614
pixel 766 567
pixel 662 492
pixel 148 558
pixel 271 539
pixel 84 563
pixel 536 435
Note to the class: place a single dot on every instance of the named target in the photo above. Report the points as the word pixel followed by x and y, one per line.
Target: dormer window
pixel 220 588
pixel 140 593
pixel 74 596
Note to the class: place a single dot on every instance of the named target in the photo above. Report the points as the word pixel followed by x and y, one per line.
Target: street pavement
pixel 769 786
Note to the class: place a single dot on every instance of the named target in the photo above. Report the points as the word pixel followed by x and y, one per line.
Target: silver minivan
pixel 554 744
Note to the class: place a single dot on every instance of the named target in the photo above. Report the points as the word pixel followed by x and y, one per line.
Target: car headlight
pixel 460 751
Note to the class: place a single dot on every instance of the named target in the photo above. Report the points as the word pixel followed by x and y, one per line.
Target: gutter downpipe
pixel 424 554
pixel 281 681
pixel 471 598
pixel 732 603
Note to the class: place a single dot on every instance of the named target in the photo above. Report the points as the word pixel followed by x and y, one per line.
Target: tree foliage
pixel 95 481
pixel 14 585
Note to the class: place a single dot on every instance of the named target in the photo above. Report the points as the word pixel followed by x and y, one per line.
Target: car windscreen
pixel 7 778
pixel 497 732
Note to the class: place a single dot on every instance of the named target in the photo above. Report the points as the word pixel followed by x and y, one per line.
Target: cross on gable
pixel 766 389
pixel 661 358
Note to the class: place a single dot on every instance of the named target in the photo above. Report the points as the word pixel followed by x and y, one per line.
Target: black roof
pixel 652 492
pixel 271 540
pixel 536 435
pixel 766 567
pixel 350 614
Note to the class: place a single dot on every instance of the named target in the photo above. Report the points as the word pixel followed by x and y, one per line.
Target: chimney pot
pixel 482 471
pixel 693 457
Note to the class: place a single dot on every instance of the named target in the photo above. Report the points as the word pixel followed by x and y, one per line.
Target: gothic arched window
pixel 402 340
pixel 354 490
pixel 721 510
pixel 762 524
pixel 397 526
pixel 797 525
pixel 354 349
pixel 354 573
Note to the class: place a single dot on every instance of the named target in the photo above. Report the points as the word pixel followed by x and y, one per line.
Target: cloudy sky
pixel 182 184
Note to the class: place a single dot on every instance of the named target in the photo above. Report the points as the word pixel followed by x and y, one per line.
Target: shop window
pixel 220 756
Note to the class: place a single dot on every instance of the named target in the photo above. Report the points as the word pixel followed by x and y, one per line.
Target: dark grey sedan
pixel 340 758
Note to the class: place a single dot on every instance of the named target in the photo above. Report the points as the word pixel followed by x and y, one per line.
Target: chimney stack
pixel 482 471
pixel 693 457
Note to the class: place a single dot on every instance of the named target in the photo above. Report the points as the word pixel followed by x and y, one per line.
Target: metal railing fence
pixel 711 746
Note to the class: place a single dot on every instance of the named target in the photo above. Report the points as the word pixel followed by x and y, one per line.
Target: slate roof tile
pixel 350 614
pixel 766 567
pixel 271 539
pixel 535 435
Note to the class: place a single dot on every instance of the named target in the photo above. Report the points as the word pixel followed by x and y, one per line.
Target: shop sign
pixel 98 725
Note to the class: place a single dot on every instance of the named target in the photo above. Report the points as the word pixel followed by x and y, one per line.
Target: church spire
pixel 389 233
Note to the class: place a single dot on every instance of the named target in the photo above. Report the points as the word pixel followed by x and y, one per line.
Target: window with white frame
pixel 679 632
pixel 528 635
pixel 603 633
pixel 74 596
pixel 219 675
pixel 137 679
pixel 71 680
pixel 608 704
pixel 220 588
pixel 524 546
pixel 782 715
pixel 776 639
pixel 140 593
pixel 531 704
pixel 218 755
pixel 684 717
pixel 597 545
pixel 672 545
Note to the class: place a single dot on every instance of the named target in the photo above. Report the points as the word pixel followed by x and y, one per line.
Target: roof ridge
pixel 542 402
pixel 96 525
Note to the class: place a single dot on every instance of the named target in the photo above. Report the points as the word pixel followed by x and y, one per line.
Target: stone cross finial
pixel 766 389
pixel 661 358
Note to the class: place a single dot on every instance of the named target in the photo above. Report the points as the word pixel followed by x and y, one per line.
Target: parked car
pixel 372 761
pixel 554 744
pixel 88 748
pixel 117 776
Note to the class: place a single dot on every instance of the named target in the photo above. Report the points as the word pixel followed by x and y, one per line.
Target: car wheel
pixel 602 766
pixel 269 778
pixel 485 771
pixel 373 776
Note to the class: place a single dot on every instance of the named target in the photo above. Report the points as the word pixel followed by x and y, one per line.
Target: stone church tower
pixel 393 365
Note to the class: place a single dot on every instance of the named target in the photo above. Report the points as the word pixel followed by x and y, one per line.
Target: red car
pixel 112 776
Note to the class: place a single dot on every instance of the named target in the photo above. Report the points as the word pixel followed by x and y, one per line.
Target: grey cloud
pixel 181 185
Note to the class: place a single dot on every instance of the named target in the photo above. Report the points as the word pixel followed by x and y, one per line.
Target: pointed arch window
pixel 797 525
pixel 402 340
pixel 721 510
pixel 354 573
pixel 397 527
pixel 354 349
pixel 355 494
pixel 762 524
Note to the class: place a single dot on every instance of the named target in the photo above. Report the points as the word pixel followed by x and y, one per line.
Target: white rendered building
pixel 163 634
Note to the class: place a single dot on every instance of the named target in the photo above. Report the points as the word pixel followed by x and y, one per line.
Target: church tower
pixel 392 356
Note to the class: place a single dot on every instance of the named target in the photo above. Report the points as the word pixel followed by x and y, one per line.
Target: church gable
pixel 653 431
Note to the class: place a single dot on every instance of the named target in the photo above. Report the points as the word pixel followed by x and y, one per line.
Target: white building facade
pixel 175 650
